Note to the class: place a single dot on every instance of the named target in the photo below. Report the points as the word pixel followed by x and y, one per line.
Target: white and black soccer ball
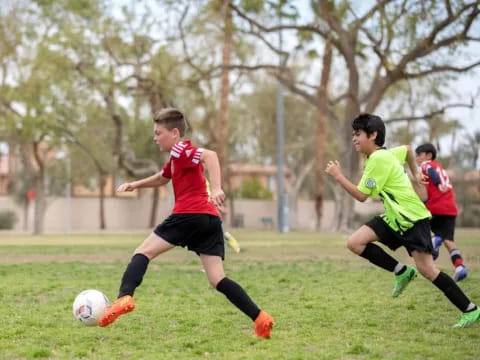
pixel 89 306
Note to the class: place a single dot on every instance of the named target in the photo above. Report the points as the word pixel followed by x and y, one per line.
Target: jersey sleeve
pixel 375 175
pixel 400 152
pixel 185 155
pixel 166 171
pixel 433 175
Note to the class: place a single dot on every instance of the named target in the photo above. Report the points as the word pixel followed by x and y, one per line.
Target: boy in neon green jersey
pixel 406 219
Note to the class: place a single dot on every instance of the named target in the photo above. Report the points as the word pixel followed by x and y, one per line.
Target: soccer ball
pixel 89 306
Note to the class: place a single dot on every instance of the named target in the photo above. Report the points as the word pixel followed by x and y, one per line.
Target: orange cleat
pixel 121 306
pixel 263 325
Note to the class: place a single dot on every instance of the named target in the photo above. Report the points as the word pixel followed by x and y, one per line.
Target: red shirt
pixel 188 179
pixel 439 203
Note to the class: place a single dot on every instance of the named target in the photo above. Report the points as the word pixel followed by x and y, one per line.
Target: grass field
pixel 327 303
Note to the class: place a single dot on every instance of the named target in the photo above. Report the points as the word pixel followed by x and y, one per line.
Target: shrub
pixel 7 219
pixel 253 189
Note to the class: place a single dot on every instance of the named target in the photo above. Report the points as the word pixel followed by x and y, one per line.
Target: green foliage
pixel 253 6
pixel 253 189
pixel 7 219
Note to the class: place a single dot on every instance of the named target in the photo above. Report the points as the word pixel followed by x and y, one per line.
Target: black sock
pixel 238 297
pixel 133 275
pixel 376 255
pixel 452 292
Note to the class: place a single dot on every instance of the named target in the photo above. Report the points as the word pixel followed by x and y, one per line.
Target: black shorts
pixel 201 233
pixel 418 238
pixel 443 226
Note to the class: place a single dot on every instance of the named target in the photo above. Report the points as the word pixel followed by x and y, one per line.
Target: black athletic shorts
pixel 443 226
pixel 201 233
pixel 417 238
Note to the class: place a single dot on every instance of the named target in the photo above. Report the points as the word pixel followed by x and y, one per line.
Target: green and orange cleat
pixel 263 325
pixel 121 306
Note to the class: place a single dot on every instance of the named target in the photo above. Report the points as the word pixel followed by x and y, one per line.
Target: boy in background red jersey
pixel 442 205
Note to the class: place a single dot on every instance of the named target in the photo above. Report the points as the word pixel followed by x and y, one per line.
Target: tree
pixel 377 47
pixel 29 85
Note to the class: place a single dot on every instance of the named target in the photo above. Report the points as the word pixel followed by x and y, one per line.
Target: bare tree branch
pixel 440 68
pixel 431 114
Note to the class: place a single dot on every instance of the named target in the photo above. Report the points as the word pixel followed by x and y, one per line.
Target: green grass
pixel 327 303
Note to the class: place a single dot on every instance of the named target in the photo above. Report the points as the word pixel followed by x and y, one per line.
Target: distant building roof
pixel 257 169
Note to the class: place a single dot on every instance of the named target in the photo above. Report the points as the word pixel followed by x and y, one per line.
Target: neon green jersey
pixel 385 177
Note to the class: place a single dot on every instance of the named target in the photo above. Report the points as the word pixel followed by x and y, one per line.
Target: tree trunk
pixel 102 182
pixel 26 209
pixel 321 136
pixel 344 206
pixel 320 142
pixel 154 208
pixel 40 202
pixel 222 120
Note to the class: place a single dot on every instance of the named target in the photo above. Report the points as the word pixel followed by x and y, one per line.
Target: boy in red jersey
pixel 194 223
pixel 441 203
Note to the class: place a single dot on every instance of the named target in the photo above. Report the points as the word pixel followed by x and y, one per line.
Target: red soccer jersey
pixel 439 203
pixel 189 183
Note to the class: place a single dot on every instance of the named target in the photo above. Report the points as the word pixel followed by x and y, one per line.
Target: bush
pixel 253 189
pixel 7 219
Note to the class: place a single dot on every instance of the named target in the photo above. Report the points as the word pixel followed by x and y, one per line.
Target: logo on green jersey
pixel 370 183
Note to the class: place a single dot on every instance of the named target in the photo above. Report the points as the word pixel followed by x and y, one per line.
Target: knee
pixel 215 281
pixel 354 245
pixel 429 272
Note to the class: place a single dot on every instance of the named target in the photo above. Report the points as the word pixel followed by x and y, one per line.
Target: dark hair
pixel 427 148
pixel 171 118
pixel 370 123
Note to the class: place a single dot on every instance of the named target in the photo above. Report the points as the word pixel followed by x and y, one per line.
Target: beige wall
pixel 134 213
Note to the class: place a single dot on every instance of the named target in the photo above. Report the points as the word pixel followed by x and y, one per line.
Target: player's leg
pixel 151 247
pixel 445 283
pixel 457 260
pixel 437 225
pixel 361 243
pixel 444 226
pixel 236 294
pixel 230 239
pixel 437 242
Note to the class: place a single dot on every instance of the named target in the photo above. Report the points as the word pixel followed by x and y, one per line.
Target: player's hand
pixel 443 188
pixel 126 187
pixel 218 198
pixel 421 178
pixel 333 169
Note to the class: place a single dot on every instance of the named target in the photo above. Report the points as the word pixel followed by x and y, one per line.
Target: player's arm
pixel 151 181
pixel 333 169
pixel 418 179
pixel 209 159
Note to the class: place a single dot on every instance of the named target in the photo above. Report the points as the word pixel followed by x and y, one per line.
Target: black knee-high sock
pixel 451 290
pixel 238 297
pixel 377 256
pixel 133 275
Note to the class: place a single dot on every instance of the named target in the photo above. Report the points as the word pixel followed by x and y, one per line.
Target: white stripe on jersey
pixel 197 155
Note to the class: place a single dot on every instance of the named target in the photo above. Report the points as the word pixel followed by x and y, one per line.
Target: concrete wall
pixel 133 213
